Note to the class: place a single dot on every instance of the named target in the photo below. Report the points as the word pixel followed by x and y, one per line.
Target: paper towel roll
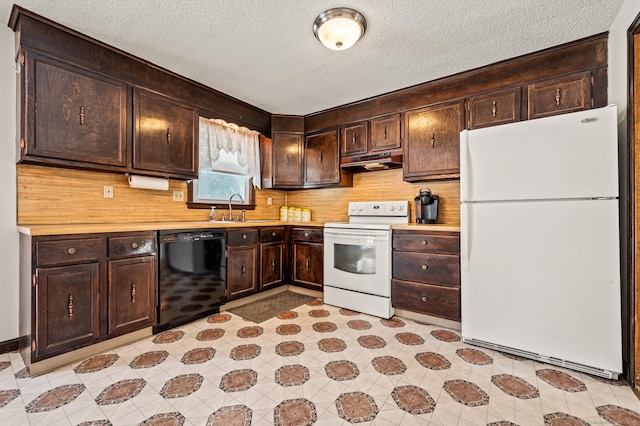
pixel 147 182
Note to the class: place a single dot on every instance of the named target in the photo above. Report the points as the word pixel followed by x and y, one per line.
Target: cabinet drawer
pixel 426 299
pixel 268 235
pixel 240 237
pixel 436 243
pixel 132 245
pixel 308 234
pixel 443 269
pixel 56 252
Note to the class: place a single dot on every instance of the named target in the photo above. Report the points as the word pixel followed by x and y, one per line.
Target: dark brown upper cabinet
pixel 165 135
pixel 355 138
pixel 560 95
pixel 490 109
pixel 385 133
pixel 432 142
pixel 71 115
pixel 322 158
pixel 287 160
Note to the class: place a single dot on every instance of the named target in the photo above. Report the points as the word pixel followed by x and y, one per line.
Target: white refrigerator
pixel 540 256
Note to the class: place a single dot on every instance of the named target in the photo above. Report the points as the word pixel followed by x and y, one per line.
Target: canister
pixel 284 213
pixel 297 215
pixel 306 215
pixel 290 213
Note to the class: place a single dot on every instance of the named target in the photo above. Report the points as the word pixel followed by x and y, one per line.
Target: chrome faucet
pixel 230 209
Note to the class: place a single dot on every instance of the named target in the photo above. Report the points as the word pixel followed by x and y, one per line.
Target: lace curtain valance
pixel 218 135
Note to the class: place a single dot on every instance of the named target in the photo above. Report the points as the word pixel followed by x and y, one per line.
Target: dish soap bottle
pixel 212 214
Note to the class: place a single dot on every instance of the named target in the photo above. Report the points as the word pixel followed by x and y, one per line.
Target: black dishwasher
pixel 192 275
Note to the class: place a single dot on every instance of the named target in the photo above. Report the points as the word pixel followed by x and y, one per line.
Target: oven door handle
pixel 356 234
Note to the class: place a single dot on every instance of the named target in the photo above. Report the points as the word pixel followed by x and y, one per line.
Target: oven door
pixel 358 260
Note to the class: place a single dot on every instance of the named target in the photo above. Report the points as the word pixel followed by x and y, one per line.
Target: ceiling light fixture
pixel 340 28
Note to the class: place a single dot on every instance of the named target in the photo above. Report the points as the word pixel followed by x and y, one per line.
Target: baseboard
pixel 10 345
pixel 428 319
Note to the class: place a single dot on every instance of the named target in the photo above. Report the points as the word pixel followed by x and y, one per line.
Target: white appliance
pixel 540 240
pixel 357 257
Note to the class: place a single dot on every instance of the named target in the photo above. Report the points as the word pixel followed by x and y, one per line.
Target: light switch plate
pixel 269 201
pixel 107 191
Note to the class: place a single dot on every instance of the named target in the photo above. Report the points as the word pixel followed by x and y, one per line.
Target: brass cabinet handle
pixel 384 133
pixel 82 116
pixel 433 140
pixel 494 109
pixel 242 270
pixel 321 156
pixel 558 95
pixel 425 267
pixel 134 245
pixel 353 138
pixel 70 306
pixel 286 157
pixel 133 292
pixel 308 263
pixel 425 299
pixel 244 236
pixel 168 135
pixel 273 234
pixel 273 264
pixel 71 250
pixel 306 235
pixel 424 242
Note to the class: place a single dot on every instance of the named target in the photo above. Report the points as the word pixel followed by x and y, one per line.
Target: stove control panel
pixel 379 208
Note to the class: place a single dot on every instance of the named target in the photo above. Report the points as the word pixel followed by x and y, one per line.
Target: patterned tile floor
pixel 316 364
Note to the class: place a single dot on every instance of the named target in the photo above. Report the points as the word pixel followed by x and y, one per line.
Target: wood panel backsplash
pixel 51 195
pixel 331 204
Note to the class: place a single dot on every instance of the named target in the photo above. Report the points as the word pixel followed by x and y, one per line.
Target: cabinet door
pixel 308 264
pixel 66 308
pixel 165 135
pixel 271 260
pixel 242 273
pixel 287 160
pixel 560 95
pixel 355 138
pixel 132 293
pixel 432 142
pixel 494 108
pixel 322 158
pixel 73 114
pixel 385 133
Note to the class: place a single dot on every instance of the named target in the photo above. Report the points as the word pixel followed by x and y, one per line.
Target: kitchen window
pixel 229 163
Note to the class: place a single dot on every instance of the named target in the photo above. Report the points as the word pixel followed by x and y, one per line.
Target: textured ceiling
pixel 264 52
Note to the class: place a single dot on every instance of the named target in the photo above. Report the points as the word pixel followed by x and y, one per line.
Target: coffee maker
pixel 426 205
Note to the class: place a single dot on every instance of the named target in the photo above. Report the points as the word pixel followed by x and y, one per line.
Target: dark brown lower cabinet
pixel 308 257
pixel 242 262
pixel 77 290
pixel 271 261
pixel 67 308
pixel 131 293
pixel 426 272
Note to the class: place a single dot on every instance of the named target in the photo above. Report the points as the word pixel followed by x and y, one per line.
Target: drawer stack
pixel 426 272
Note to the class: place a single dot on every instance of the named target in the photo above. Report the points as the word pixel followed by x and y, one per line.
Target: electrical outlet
pixel 107 191
pixel 178 195
pixel 269 201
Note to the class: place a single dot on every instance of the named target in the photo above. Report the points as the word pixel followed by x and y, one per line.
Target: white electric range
pixel 357 257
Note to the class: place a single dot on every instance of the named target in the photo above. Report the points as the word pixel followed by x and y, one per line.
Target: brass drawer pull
pixel 273 264
pixel 425 242
pixel 133 292
pixel 494 109
pixel 558 97
pixel 384 133
pixel 306 235
pixel 82 116
pixel 425 267
pixel 134 245
pixel 71 250
pixel 433 140
pixel 425 299
pixel 242 270
pixel 168 135
pixel 308 263
pixel 273 234
pixel 244 236
pixel 70 306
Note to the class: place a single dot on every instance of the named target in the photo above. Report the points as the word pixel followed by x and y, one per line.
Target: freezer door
pixel 544 277
pixel 564 156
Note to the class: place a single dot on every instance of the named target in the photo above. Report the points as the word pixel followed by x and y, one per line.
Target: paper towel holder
pixel 147 182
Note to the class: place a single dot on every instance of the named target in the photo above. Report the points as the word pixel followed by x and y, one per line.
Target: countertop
pixel 91 228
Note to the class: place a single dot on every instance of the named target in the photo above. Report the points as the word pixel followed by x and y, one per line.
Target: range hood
pixel 373 162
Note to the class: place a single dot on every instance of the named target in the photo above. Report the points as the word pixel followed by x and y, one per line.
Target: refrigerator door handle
pixel 465 235
pixel 465 172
